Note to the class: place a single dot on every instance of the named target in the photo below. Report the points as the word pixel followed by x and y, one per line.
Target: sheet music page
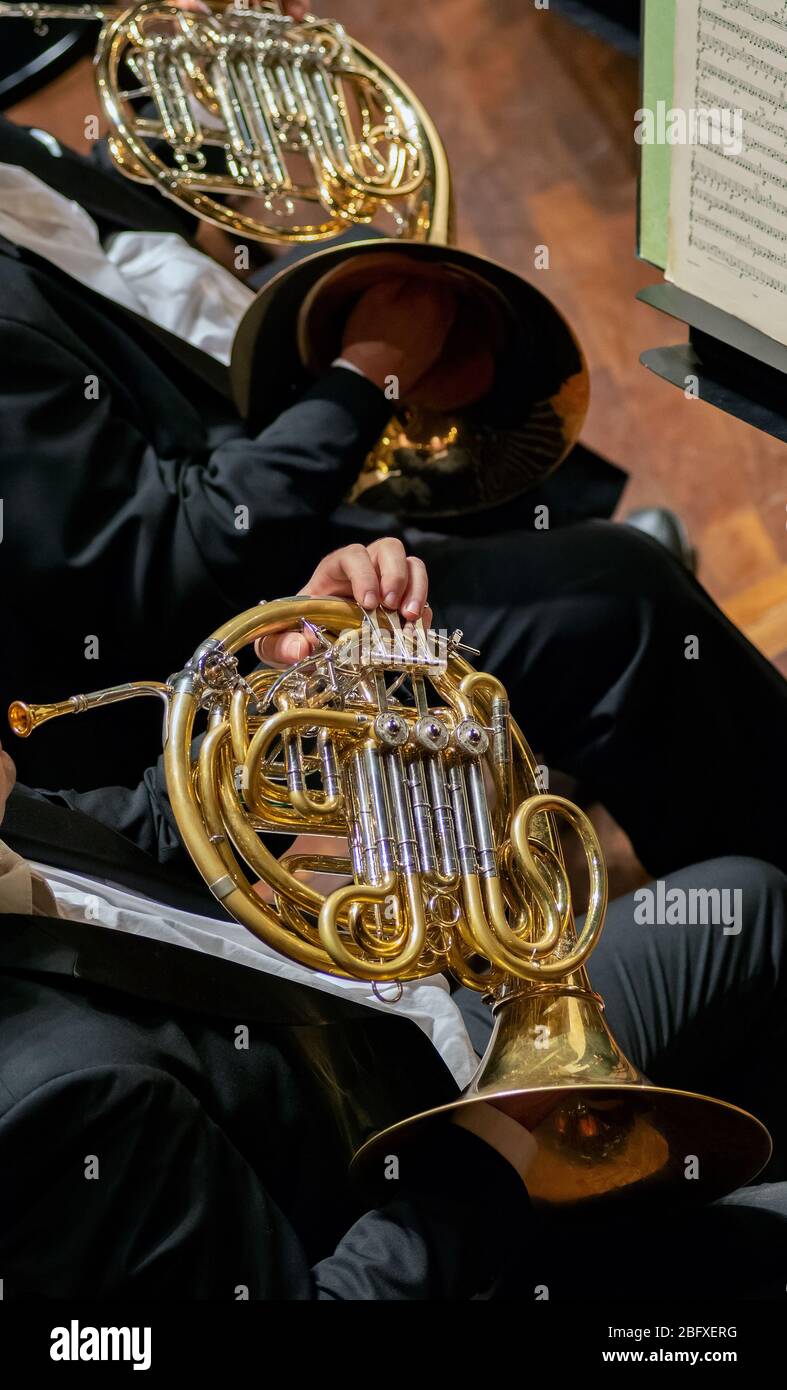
pixel 728 199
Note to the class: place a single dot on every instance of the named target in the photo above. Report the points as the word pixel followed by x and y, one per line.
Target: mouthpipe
pixel 39 12
pixel 23 718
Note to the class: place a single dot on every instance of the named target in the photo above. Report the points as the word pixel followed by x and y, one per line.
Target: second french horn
pixel 386 739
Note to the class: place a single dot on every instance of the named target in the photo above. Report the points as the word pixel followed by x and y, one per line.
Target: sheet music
pixel 728 205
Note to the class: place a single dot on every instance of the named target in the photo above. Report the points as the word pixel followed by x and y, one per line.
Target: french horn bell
pixel 387 739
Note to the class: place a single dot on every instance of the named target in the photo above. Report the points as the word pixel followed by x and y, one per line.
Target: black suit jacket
pixel 136 522
pixel 144 1153
pixel 147 516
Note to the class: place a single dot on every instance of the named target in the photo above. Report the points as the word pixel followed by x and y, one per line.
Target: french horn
pixel 244 102
pixel 293 133
pixel 387 739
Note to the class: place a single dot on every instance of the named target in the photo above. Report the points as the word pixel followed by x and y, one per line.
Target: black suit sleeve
pixel 174 534
pixel 115 1182
pixel 142 813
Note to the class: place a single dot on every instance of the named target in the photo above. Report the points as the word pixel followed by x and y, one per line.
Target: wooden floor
pixel 537 117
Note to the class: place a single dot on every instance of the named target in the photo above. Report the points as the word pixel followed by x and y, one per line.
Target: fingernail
pixel 370 599
pixel 390 600
pixel 412 610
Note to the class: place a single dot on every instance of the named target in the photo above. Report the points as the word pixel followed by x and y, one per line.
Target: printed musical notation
pixel 728 199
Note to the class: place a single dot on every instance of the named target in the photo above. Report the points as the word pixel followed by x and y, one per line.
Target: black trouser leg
pixel 700 1007
pixel 704 1007
pixel 734 1249
pixel 593 630
pixel 701 1010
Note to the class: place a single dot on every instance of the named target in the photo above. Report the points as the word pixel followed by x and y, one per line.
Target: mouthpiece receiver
pixel 24 719
pixel 21 719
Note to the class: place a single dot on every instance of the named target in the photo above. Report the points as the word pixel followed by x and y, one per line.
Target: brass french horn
pixel 291 133
pixel 385 737
pixel 244 101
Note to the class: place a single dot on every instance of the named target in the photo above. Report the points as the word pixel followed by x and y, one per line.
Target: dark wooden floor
pixel 537 117
pixel 538 120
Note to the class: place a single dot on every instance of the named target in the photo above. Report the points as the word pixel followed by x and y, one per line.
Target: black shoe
pixel 667 528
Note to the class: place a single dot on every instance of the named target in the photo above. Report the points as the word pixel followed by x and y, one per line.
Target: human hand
pixel 465 370
pixel 378 574
pixel 398 328
pixel 7 779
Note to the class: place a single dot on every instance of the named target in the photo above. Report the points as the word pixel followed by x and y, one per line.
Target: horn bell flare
pixel 602 1130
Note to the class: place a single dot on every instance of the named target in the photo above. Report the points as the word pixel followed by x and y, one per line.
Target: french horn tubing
pixel 291 132
pixel 244 101
pixel 387 739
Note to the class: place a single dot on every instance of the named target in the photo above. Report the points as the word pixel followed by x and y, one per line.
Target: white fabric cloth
pixel 156 274
pixel 181 289
pixel 427 1002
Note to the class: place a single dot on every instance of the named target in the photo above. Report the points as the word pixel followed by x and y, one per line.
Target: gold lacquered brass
pixel 292 132
pixel 388 740
pixel 308 128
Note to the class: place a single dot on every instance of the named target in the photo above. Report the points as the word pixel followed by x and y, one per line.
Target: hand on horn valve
pixel 378 574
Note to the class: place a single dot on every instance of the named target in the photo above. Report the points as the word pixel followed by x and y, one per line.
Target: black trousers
pixel 703 1008
pixel 623 672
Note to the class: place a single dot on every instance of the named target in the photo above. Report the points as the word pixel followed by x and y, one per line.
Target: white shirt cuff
pixel 349 366
pixel 501 1132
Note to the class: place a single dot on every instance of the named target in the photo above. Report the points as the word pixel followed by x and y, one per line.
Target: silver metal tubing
pixel 464 832
pixel 443 817
pixel 370 870
pixel 158 75
pixel 501 732
pixel 189 138
pixel 422 814
pixel 354 825
pixel 257 118
pixel 330 769
pixel 407 846
pixel 319 137
pixel 243 149
pixel 296 781
pixel 419 694
pixel 381 808
pixel 482 824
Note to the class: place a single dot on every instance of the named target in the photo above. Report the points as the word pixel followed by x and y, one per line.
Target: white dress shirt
pixel 157 274
pixel 79 899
